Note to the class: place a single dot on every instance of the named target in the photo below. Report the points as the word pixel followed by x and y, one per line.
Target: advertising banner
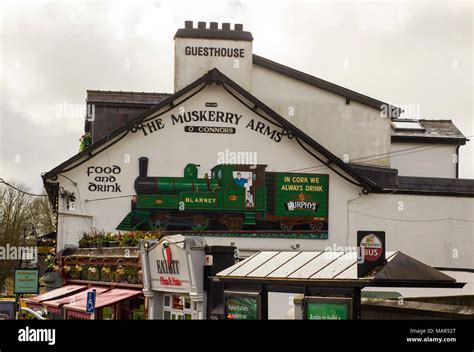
pixel 242 306
pixel 328 308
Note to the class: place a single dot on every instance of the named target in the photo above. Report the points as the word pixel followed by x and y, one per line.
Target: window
pixel 187 303
pixel 107 313
pixel 177 307
pixel 407 125
pixel 178 302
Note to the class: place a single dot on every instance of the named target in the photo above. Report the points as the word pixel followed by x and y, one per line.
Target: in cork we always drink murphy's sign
pixel 302 194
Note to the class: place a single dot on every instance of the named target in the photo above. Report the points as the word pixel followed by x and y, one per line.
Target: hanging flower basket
pixel 85 141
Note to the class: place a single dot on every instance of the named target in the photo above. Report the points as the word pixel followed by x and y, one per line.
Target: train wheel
pixel 316 226
pixel 161 223
pixel 233 223
pixel 162 226
pixel 286 226
pixel 201 223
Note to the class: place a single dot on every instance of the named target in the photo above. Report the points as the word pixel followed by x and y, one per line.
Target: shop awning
pixel 326 268
pixel 36 301
pixel 103 299
pixel 54 306
pixel 115 296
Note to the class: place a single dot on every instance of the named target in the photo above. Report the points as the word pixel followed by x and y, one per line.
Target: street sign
pixel 90 306
pixel 26 281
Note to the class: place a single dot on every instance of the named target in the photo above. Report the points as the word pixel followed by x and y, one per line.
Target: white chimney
pixel 198 50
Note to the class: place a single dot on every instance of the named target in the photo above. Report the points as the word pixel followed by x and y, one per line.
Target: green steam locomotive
pixel 233 196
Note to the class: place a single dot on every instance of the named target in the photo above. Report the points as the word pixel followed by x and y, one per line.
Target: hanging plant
pixel 85 141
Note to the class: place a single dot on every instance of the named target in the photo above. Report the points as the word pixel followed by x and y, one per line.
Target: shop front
pixel 173 280
pixel 324 285
pixel 111 304
pixel 114 274
pixel 70 302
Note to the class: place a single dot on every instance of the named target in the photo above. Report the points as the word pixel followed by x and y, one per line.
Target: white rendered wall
pixel 354 132
pixel 429 160
pixel 189 68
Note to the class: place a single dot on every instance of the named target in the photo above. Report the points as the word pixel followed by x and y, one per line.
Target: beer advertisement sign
pixel 371 248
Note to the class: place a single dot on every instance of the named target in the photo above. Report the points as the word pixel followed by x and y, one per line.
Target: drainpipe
pixel 457 160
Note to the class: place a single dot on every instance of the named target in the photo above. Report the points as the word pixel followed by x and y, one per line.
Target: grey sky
pixel 51 52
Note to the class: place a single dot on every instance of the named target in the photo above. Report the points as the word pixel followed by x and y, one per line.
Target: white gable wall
pixel 350 132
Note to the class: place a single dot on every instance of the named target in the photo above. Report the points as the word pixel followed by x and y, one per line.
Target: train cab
pixel 249 177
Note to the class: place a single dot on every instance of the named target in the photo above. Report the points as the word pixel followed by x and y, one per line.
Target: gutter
pixel 423 193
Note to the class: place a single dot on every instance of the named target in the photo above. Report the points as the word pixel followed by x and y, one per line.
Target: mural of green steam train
pixel 232 196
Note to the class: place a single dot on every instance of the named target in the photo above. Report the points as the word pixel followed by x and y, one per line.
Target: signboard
pixel 371 247
pixel 327 308
pixel 90 307
pixel 231 196
pixel 302 195
pixel 26 281
pixel 169 267
pixel 242 305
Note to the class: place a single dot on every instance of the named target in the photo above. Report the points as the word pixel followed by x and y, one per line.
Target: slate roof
pixel 436 184
pixel 321 83
pixel 442 131
pixel 114 97
pixel 115 108
pixel 389 180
